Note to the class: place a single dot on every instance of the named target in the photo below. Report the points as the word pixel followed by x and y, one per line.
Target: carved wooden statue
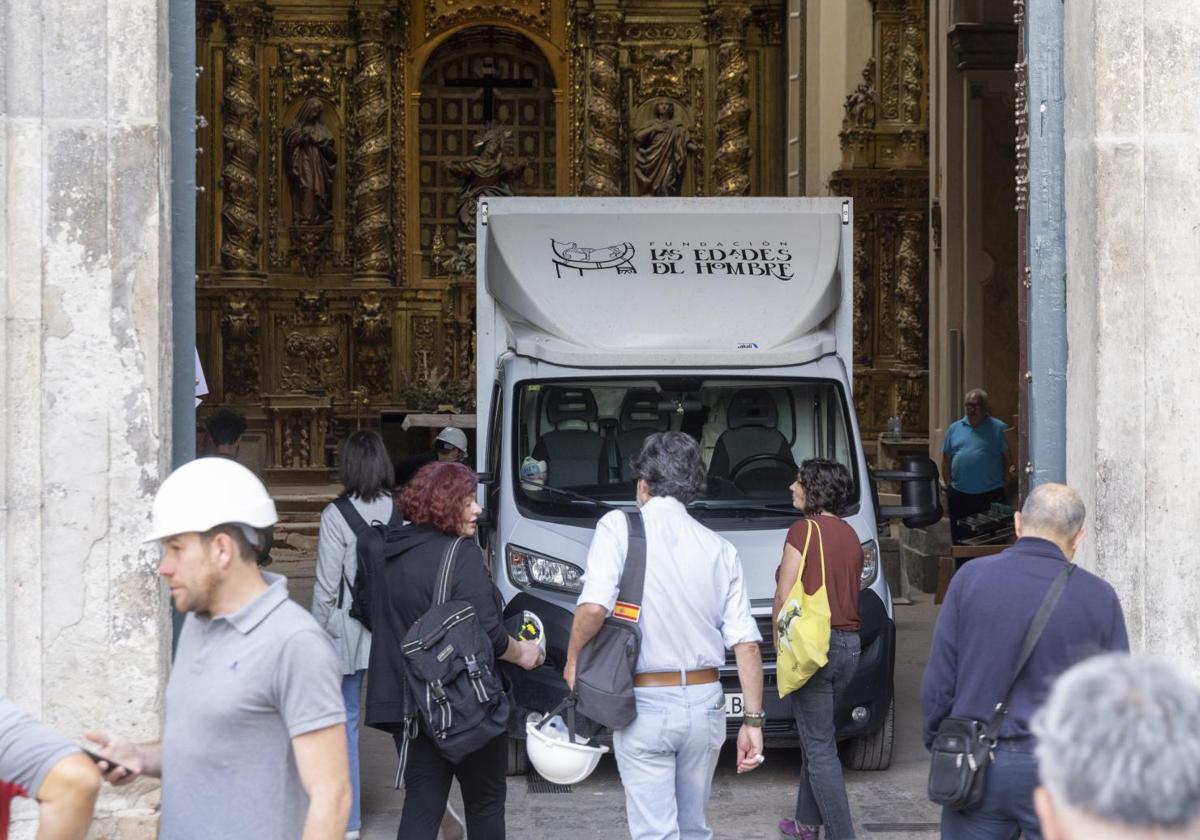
pixel 311 157
pixel 663 146
pixel 486 174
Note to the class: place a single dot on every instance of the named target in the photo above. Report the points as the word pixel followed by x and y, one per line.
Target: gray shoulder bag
pixel 604 672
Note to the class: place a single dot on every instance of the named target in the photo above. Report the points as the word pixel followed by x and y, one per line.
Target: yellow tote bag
pixel 802 628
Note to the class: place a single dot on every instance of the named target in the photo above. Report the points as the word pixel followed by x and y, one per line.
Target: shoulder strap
pixel 351 515
pixel 442 590
pixel 1032 635
pixel 821 546
pixel 397 517
pixel 633 577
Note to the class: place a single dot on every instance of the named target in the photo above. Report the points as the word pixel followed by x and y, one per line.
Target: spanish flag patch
pixel 629 612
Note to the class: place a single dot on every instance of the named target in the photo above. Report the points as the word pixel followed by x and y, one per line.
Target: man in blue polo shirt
pixel 975 461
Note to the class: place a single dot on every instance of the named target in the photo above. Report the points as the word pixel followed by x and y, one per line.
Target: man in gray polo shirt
pixel 254 743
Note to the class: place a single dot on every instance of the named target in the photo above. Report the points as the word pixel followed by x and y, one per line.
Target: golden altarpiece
pixel 343 147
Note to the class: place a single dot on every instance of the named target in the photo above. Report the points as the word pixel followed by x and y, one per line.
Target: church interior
pixel 344 144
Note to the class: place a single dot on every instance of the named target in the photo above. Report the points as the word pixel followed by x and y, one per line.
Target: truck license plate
pixel 735 707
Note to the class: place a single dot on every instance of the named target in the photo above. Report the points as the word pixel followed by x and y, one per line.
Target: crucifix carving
pixel 490 82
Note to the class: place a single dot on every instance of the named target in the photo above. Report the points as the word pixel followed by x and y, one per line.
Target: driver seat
pixel 751 420
pixel 573 452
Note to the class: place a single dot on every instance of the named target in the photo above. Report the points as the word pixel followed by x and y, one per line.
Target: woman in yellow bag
pixel 816 640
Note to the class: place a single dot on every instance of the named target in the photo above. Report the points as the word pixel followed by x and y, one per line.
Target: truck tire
pixel 874 751
pixel 518 759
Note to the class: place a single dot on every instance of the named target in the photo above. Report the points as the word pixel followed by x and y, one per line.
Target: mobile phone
pixel 113 765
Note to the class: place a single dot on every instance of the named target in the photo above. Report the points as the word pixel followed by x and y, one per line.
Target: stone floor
pixel 889 805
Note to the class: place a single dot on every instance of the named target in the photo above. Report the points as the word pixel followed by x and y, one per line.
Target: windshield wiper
pixel 529 489
pixel 785 508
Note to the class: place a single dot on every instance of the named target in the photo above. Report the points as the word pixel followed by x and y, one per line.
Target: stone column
pixel 241 227
pixel 85 373
pixel 372 147
pixel 731 165
pixel 604 107
pixel 1133 305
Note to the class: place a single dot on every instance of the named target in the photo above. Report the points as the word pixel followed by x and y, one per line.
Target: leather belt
pixel 664 679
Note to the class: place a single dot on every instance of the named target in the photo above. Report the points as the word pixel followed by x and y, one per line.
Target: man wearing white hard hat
pixel 450 445
pixel 254 742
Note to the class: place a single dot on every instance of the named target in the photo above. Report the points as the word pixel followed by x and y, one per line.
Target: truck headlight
pixel 528 569
pixel 870 564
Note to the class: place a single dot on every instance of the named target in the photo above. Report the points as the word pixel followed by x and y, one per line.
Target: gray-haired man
pixel 988 609
pixel 1119 753
pixel 694 607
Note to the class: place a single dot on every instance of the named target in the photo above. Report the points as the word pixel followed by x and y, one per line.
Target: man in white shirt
pixel 694 608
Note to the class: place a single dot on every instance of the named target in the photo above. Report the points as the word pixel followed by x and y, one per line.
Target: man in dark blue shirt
pixel 988 608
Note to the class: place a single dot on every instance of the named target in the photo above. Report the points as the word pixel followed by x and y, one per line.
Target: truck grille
pixel 766 647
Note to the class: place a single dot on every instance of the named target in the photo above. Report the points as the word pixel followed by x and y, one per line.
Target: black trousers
pixel 481 775
pixel 963 505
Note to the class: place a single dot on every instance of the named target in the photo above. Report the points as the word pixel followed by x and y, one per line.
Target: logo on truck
pixel 581 258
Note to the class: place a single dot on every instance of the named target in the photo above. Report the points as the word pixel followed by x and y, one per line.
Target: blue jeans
pixel 822 798
pixel 351 693
pixel 1007 807
pixel 667 757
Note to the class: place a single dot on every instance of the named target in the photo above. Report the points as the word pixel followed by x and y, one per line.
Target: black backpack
pixel 458 698
pixel 370 541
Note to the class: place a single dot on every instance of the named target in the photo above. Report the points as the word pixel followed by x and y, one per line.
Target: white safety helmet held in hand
pixel 208 492
pixel 562 760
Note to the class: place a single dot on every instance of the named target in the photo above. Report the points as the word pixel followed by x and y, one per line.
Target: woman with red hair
pixel 440 506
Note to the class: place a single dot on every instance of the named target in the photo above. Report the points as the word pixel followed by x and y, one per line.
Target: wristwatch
pixel 756 719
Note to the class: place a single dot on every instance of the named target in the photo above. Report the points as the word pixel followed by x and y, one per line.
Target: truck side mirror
pixel 920 499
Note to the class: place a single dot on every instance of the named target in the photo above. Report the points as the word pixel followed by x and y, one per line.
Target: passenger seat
pixel 640 418
pixel 573 450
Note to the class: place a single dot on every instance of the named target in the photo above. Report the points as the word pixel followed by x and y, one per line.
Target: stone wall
pixel 1133 304
pixel 84 372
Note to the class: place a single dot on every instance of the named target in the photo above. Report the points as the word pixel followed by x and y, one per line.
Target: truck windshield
pixel 576 439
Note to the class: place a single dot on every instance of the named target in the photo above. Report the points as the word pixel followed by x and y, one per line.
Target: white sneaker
pixel 353 835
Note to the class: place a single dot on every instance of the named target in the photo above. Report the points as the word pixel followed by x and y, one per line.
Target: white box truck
pixel 601 321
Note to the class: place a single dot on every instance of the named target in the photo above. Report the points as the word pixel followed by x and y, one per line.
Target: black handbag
pixel 963 748
pixel 607 663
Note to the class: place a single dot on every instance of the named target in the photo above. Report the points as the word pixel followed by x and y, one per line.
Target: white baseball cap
pixel 455 437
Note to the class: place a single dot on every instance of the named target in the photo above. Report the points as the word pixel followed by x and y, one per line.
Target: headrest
pixel 639 410
pixel 563 404
pixel 752 407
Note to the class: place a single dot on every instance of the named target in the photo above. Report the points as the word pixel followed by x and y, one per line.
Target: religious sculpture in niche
pixel 663 146
pixel 311 158
pixel 486 174
pixel 860 104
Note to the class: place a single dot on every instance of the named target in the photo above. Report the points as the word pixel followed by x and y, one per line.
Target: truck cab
pixel 602 321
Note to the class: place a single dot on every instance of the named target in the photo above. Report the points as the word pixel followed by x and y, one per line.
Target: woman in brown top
pixel 823 490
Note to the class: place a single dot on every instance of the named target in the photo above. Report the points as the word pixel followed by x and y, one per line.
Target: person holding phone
pixel 254 742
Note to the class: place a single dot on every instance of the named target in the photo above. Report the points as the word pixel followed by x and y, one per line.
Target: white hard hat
pixel 455 437
pixel 562 760
pixel 208 492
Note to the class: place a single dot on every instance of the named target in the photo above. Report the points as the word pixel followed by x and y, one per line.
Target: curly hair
pixel 436 494
pixel 827 485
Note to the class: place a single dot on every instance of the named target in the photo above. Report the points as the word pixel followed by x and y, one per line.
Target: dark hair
pixel 365 469
pixel 671 465
pixel 247 551
pixel 225 426
pixel 436 494
pixel 827 486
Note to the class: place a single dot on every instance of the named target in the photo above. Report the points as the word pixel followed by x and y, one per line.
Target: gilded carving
pixel 731 164
pixel 910 280
pixel 310 244
pixel 863 283
pixel 240 332
pixel 604 111
pixel 660 72
pixel 241 233
pixel 441 15
pixel 652 31
pixel 310 30
pixel 424 330
pixel 312 307
pixel 399 135
pixel 372 147
pixel 311 362
pixel 913 72
pixel 312 70
pixel 311 156
pixel 373 344
pixel 889 72
pixel 770 24
pixel 860 104
pixel 488 173
pixel 1021 115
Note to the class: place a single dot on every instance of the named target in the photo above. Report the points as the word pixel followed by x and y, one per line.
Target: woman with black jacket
pixel 440 506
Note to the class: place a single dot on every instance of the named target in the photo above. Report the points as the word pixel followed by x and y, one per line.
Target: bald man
pixel 988 609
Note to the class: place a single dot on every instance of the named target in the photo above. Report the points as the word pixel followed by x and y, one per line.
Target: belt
pixel 664 679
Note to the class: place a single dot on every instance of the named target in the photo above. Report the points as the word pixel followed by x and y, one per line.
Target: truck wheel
pixel 518 759
pixel 874 751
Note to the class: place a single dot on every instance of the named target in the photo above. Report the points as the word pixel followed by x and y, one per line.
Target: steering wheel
pixel 741 465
